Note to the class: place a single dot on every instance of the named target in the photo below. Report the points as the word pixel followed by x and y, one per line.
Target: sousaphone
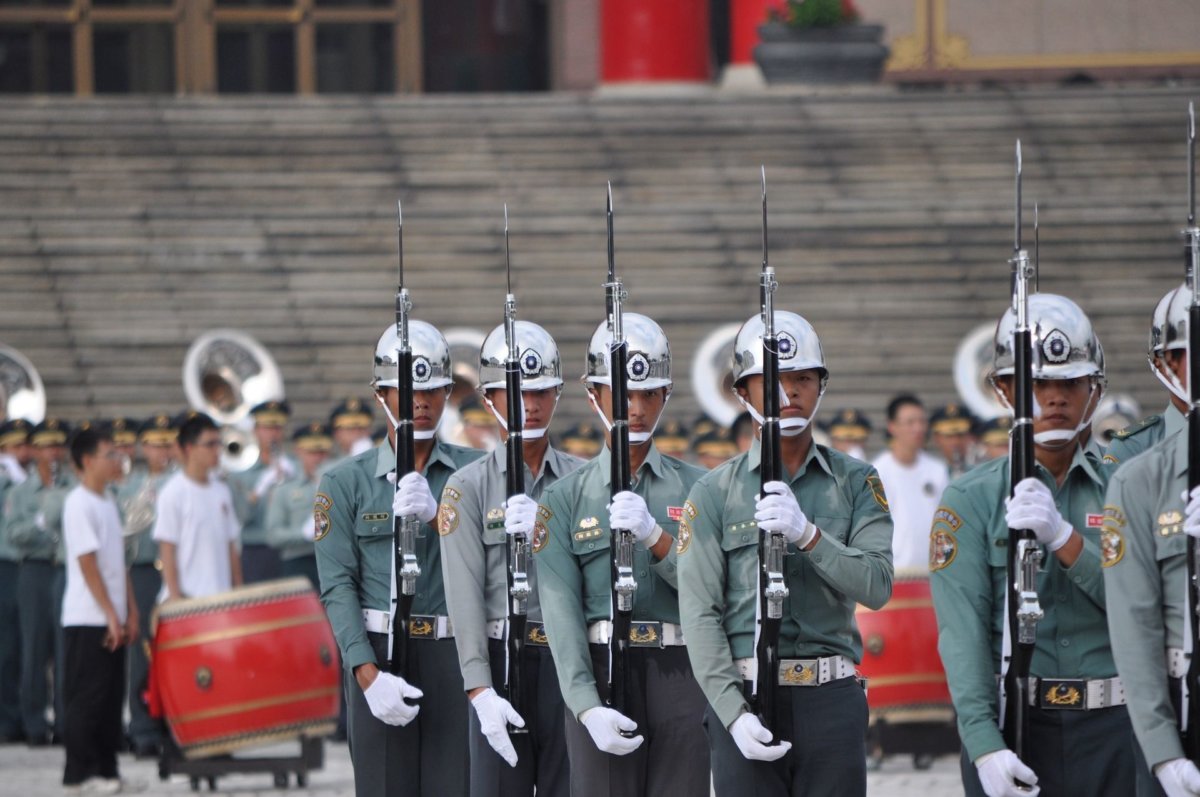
pixel 972 365
pixel 22 394
pixel 712 377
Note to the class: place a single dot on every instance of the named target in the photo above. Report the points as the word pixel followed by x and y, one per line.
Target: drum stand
pixel 311 757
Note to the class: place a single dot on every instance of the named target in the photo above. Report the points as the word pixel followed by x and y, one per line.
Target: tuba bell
pixel 22 394
pixel 465 343
pixel 712 378
pixel 225 373
pixel 972 366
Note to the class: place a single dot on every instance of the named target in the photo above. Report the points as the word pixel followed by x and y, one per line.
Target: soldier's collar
pixel 1173 420
pixel 1088 459
pixel 553 461
pixel 385 458
pixel 754 457
pixel 1181 453
pixel 653 461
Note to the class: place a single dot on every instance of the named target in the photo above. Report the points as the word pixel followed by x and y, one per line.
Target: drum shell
pixel 246 667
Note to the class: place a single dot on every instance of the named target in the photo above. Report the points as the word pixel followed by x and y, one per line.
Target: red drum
pixel 251 666
pixel 905 679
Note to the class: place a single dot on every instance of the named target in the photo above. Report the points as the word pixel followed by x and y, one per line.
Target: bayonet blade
pixel 1036 249
pixel 1017 220
pixel 763 174
pixel 507 260
pixel 400 238
pixel 1191 164
pixel 612 260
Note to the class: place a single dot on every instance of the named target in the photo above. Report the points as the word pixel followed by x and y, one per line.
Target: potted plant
pixel 819 41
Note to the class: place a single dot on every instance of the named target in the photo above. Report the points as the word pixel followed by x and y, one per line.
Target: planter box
pixel 845 54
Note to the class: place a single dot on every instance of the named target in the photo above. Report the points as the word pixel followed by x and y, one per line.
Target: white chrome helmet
pixel 1175 320
pixel 430 357
pixel 649 363
pixel 1065 344
pixel 799 346
pixel 541 366
pixel 1159 324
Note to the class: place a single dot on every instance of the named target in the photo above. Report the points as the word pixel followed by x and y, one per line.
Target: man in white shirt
pixel 195 524
pixel 99 617
pixel 913 482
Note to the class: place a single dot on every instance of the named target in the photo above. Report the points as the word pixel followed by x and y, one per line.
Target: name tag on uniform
pixel 675 513
pixel 372 517
pixel 1095 521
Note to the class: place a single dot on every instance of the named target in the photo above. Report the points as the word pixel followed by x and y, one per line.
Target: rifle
pixel 1024 553
pixel 405 529
pixel 1190 704
pixel 518 545
pixel 772 546
pixel 621 540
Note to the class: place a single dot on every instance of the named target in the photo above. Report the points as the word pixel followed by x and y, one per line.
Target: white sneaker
pixel 101 786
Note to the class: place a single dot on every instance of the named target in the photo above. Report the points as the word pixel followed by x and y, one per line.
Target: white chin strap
pixel 417 433
pixel 1055 438
pixel 788 427
pixel 526 432
pixel 1171 383
pixel 635 438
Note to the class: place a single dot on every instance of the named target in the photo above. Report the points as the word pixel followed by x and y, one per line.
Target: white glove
pixel 520 512
pixel 414 498
pixel 494 715
pixel 39 520
pixel 628 511
pixel 309 529
pixel 777 511
pixel 1032 507
pixel 754 740
pixel 387 695
pixel 605 726
pixel 285 467
pixel 269 479
pixel 1191 515
pixel 999 772
pixel 1179 777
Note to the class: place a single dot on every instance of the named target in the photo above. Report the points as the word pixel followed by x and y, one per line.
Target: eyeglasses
pixel 210 444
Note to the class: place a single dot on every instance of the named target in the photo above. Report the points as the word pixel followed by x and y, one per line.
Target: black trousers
pixel 143 729
pixel 668 706
pixel 1084 753
pixel 93 693
pixel 542 751
pixel 35 605
pixel 260 563
pixel 10 653
pixel 827 726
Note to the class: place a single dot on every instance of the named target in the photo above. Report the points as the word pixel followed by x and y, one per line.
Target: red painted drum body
pixel 255 665
pixel 905 679
pixel 656 41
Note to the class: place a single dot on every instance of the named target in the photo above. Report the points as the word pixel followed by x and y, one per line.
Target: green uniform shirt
pixel 475 551
pixel 33 516
pixel 718 567
pixel 571 541
pixel 355 557
pixel 251 510
pixel 289 514
pixel 133 496
pixel 1131 441
pixel 7 552
pixel 1145 570
pixel 968 566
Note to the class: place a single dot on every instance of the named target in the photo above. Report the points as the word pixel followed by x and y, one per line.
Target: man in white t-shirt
pixel 913 482
pixel 99 617
pixel 195 525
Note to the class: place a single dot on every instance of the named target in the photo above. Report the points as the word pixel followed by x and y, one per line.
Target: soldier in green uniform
pixel 582 440
pixel 671 439
pixel 1166 360
pixel 33 525
pixel 950 428
pixel 833 513
pixel 993 437
pixel 14 434
pixel 136 498
pixel 289 519
pixel 1078 740
pixel 475 519
pixel 398 747
pixel 713 447
pixel 252 489
pixel 350 423
pixel 571 542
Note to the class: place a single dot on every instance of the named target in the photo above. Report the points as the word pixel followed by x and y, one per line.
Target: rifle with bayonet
pixel 621 540
pixel 772 546
pixel 1024 553
pixel 404 529
pixel 1190 704
pixel 518 544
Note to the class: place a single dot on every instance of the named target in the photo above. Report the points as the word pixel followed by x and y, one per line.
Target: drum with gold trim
pixel 250 666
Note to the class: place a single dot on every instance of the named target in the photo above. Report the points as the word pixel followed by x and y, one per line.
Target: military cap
pixel 995 431
pixel 380 434
pixel 582 440
pixel 703 425
pixel 716 442
pixel 14 432
pixel 179 420
pixel 158 430
pixel 850 424
pixel 671 437
pixel 123 431
pixel 951 419
pixel 50 432
pixel 271 413
pixel 472 411
pixel 351 414
pixel 313 436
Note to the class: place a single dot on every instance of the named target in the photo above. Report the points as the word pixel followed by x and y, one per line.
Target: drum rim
pixel 238 597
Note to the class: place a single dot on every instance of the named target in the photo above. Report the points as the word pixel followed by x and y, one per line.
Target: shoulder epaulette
pixel 1140 426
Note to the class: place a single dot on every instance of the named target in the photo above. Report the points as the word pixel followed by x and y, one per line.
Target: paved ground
pixel 38 773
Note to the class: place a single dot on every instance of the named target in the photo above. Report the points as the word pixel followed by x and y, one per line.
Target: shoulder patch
pixel 943 547
pixel 945 516
pixel 1142 425
pixel 323 502
pixel 447 519
pixel 683 540
pixel 452 494
pixel 541 535
pixel 321 524
pixel 1112 543
pixel 689 509
pixel 1110 459
pixel 876 485
pixel 544 513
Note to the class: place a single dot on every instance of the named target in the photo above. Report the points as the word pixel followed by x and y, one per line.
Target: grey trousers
pixel 667 704
pixel 1084 753
pixel 428 757
pixel 143 729
pixel 542 752
pixel 35 604
pixel 10 653
pixel 827 726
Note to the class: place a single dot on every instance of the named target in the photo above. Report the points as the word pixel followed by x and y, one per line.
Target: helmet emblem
pixel 1056 348
pixel 421 369
pixel 787 345
pixel 531 363
pixel 638 367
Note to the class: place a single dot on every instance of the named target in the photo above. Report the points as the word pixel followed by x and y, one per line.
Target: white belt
pixel 642 634
pixel 1076 693
pixel 801 672
pixel 1177 662
pixel 420 626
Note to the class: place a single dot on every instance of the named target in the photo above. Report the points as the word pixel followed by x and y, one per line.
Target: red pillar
pixel 654 41
pixel 744 18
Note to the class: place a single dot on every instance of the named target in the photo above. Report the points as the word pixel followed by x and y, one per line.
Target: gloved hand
pixel 605 726
pixel 494 715
pixel 270 477
pixel 414 498
pixel 999 772
pixel 1032 507
pixel 387 696
pixel 628 511
pixel 309 528
pixel 754 740
pixel 777 511
pixel 1179 777
pixel 1191 515
pixel 286 468
pixel 520 513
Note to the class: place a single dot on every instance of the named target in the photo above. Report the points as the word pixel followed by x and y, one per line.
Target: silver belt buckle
pixel 1062 694
pixel 800 672
pixel 646 634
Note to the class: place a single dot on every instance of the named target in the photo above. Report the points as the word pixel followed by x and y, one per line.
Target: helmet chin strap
pixel 526 432
pixel 1171 383
pixel 1055 438
pixel 788 427
pixel 635 438
pixel 418 434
